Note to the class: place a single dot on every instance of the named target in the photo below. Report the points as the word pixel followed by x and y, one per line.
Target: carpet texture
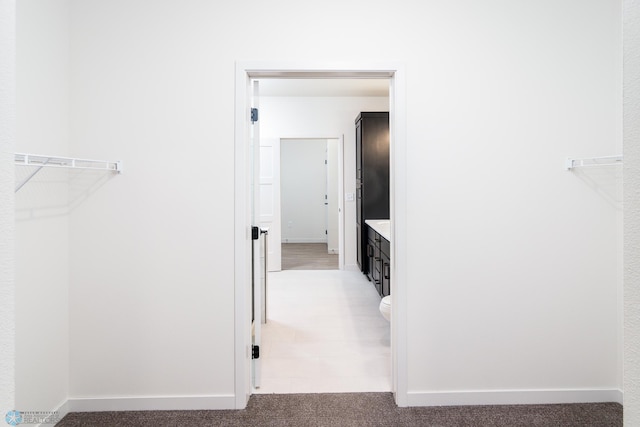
pixel 358 409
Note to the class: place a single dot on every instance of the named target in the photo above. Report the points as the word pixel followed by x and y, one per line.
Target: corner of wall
pixel 631 171
pixel 7 223
pixel 41 265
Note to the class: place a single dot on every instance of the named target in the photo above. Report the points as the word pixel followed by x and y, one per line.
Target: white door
pixel 340 202
pixel 270 199
pixel 326 194
pixel 257 259
pixel 333 196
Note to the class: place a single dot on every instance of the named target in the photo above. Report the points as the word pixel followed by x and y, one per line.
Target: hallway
pixel 324 333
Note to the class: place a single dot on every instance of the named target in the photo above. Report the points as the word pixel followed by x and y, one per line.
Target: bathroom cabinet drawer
pixel 371 251
pixel 379 262
pixel 377 269
pixel 385 247
pixel 372 235
pixel 385 275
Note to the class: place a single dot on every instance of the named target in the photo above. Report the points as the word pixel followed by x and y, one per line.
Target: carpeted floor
pixel 358 409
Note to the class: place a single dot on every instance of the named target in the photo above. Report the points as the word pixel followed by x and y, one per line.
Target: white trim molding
pixel 60 412
pixel 151 403
pixel 303 240
pixel 513 397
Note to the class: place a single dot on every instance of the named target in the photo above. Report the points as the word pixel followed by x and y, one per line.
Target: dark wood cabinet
pixel 385 263
pixel 373 258
pixel 379 262
pixel 372 180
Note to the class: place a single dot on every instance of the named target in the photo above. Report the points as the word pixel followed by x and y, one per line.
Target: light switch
pixel 350 197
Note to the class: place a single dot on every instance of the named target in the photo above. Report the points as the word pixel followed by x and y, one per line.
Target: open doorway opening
pixel 301 193
pixel 323 332
pixel 309 204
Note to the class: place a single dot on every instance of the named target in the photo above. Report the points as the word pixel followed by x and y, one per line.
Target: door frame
pixel 244 72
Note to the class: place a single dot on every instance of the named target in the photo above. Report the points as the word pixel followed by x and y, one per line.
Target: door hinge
pixel 255 233
pixel 254 115
pixel 255 351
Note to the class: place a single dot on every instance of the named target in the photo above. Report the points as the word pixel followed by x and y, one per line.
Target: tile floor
pixel 324 333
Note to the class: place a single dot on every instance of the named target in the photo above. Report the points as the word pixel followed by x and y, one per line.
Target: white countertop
pixel 381 226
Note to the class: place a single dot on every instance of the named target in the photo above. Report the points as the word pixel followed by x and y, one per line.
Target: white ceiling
pixel 323 87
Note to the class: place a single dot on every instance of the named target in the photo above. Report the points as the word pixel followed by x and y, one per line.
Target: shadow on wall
pixel 55 192
pixel 605 181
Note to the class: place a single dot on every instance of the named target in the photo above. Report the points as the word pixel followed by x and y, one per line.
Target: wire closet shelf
pixel 41 161
pixel 572 163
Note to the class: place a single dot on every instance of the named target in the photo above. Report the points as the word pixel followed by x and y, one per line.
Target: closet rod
pixel 593 161
pixel 41 161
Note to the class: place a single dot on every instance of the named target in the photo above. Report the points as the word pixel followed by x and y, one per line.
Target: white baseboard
pixel 351 267
pixel 303 240
pixel 512 397
pixel 461 398
pixel 63 409
pixel 162 403
pixel 53 417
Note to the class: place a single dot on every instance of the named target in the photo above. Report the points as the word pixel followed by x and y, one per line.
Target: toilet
pixel 385 307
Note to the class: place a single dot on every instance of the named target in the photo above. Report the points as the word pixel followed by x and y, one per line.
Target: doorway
pixel 323 332
pixel 309 204
pixel 245 71
pixel 301 193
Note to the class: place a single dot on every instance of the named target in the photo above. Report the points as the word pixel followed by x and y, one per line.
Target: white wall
pixel 303 186
pixel 151 292
pixel 7 221
pixel 41 228
pixel 309 117
pixel 518 257
pixel 631 209
pixel 512 279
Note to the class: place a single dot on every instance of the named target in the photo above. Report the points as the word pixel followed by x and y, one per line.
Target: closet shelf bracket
pixel 571 163
pixel 39 161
